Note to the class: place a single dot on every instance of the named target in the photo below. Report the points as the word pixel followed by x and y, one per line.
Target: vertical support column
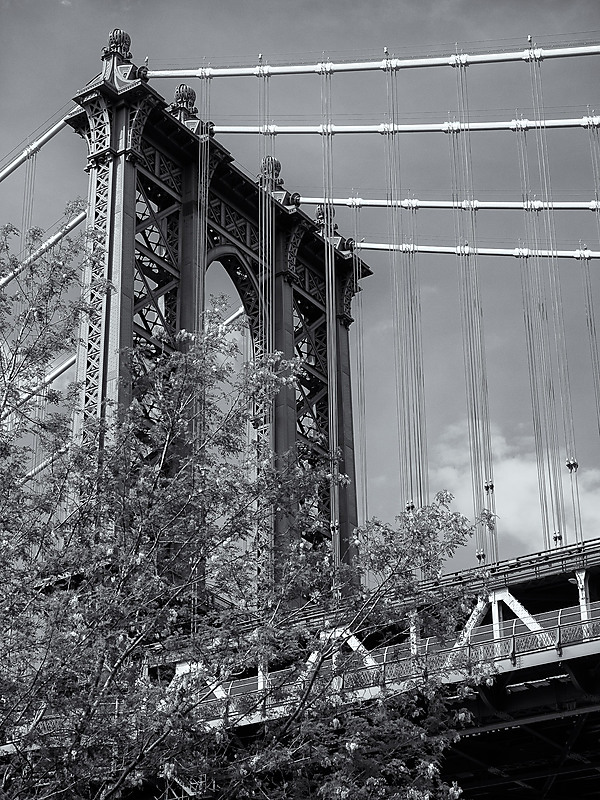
pixel 322 306
pixel 109 276
pixel 497 616
pixel 582 578
pixel 347 490
pixel 190 261
pixel 284 409
pixel 121 256
pixel 115 108
pixel 90 353
pixel 414 633
pixel 283 323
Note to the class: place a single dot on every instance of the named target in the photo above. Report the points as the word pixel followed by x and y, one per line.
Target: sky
pixel 51 48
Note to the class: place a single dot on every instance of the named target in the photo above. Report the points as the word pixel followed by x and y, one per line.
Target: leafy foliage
pixel 137 590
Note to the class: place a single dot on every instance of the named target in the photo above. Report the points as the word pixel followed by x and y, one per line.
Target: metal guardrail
pixel 396 666
pixel 499 574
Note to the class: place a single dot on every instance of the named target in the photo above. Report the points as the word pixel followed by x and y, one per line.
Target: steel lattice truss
pixel 145 218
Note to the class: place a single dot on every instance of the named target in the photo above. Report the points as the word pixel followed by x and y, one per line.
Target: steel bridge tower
pixel 145 217
pixel 165 201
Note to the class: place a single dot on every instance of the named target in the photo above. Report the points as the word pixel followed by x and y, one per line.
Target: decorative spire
pixel 324 218
pixel 183 105
pixel 119 42
pixel 269 179
pixel 118 69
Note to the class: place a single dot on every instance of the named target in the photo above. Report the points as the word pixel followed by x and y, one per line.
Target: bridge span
pixel 166 200
pixel 529 650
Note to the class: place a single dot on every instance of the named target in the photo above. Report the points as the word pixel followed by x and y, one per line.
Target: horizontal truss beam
pixel 43 248
pixel 391 669
pixel 386 65
pixel 463 250
pixel 46 381
pixel 391 128
pixel 33 148
pixel 466 205
pixel 51 376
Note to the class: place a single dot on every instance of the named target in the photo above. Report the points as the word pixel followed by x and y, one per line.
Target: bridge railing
pixel 398 666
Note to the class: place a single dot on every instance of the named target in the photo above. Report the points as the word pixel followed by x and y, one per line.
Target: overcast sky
pixel 51 48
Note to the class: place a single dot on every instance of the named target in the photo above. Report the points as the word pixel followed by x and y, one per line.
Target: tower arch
pixel 149 211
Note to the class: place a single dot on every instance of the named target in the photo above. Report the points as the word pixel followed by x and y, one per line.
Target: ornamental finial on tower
pixel 183 105
pixel 270 168
pixel 119 42
pixel 324 218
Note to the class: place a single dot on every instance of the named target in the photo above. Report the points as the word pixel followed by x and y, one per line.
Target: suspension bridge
pixel 167 199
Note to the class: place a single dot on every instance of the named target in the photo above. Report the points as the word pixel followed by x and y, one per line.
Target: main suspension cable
pixel 384 128
pixel 33 148
pixel 384 65
pixel 463 249
pixel 414 204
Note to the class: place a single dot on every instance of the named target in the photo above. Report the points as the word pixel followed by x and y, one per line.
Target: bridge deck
pixel 531 567
pixel 562 636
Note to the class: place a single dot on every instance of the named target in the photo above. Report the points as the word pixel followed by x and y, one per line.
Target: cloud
pixel 516 488
pixel 66 3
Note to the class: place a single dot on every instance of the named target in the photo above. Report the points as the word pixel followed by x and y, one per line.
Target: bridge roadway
pixel 562 636
pixel 531 647
pixel 535 637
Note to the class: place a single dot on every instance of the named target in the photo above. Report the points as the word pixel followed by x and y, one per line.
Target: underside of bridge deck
pixel 538 757
pixel 536 734
pixel 536 729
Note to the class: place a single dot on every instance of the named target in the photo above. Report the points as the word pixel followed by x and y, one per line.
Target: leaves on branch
pixel 135 586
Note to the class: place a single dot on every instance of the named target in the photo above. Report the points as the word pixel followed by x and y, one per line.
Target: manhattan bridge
pixel 167 200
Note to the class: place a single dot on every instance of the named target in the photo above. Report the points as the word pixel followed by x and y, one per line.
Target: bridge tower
pixel 154 235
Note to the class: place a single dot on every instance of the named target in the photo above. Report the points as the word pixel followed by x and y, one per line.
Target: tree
pixel 137 595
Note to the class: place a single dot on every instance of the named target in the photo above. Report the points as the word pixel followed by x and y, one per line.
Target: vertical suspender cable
pixel 202 197
pixel 250 464
pixel 266 219
pixel 266 223
pixel 590 311
pixel 472 327
pixel 398 319
pixel 331 314
pixel 471 308
pixel 535 305
pixel 534 337
pixel 475 311
pixel 476 472
pixel 264 345
pixel 360 433
pixel 28 199
pixel 552 352
pixel 27 216
pixel 23 305
pixel 201 266
pixel 416 338
pixel 557 307
pixel 406 317
pixel 39 413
